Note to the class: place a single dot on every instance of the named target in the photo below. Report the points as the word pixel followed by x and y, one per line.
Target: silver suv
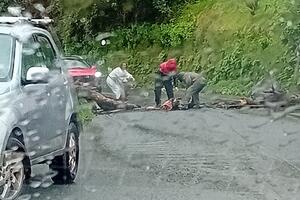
pixel 38 118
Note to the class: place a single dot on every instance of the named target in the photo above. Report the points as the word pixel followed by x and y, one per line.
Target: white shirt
pixel 120 75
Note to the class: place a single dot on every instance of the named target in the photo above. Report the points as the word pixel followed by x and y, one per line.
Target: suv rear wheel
pixel 66 165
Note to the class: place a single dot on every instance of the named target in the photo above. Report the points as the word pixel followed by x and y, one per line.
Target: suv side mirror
pixel 37 75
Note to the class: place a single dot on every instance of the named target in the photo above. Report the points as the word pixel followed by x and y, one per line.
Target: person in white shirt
pixel 116 80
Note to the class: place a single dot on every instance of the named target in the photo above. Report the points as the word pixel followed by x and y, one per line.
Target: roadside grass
pixel 85 112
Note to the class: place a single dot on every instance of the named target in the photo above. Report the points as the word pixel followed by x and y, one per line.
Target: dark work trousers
pixel 192 93
pixel 160 82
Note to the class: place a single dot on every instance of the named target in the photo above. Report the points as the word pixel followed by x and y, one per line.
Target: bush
pixel 145 35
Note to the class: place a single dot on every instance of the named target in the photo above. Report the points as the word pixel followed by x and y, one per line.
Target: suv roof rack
pixel 35 22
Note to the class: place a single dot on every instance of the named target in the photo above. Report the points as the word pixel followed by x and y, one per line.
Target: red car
pixel 81 70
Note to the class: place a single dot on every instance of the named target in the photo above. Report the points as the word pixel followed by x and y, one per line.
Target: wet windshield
pixel 6 43
pixel 150 100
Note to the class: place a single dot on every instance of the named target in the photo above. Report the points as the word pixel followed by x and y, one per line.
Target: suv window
pixel 31 57
pixel 47 52
pixel 6 57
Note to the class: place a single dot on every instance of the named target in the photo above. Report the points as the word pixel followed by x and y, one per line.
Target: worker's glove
pixel 176 89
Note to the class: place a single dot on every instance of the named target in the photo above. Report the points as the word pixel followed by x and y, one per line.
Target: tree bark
pixel 106 103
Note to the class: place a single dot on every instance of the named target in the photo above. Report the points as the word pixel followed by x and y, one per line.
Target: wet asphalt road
pixel 202 154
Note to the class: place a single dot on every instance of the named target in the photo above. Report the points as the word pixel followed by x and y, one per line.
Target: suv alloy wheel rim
pixel 12 175
pixel 72 154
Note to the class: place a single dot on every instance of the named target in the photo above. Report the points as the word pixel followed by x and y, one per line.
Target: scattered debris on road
pixel 268 98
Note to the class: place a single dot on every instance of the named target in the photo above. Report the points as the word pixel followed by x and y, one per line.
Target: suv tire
pixel 66 165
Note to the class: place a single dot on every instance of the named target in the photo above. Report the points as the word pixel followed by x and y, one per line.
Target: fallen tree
pixel 104 102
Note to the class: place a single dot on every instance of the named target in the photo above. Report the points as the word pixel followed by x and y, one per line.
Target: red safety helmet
pixel 168 67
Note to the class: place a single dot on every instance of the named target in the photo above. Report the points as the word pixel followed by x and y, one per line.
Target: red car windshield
pixel 75 64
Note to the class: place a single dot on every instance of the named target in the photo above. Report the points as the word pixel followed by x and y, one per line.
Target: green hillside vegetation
pixel 235 43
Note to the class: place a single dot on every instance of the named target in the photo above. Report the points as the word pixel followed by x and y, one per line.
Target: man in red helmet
pixel 164 78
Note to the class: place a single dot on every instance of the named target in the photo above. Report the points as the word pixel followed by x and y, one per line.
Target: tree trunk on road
pixel 106 103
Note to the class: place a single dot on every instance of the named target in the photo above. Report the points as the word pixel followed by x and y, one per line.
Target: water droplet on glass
pixel 35 184
pixel 35 138
pixel 90 189
pixel 14 148
pixel 25 122
pixel 50 157
pixel 78 45
pixel 36 45
pixel 36 116
pixel 145 94
pixel 289 23
pixel 22 32
pixel 52 173
pixel 44 147
pixel 24 197
pixel 42 101
pixel 281 19
pixel 27 14
pixel 39 54
pixel 32 153
pixel 83 20
pixel 28 52
pixel 56 90
pixel 36 194
pixel 31 132
pixel 59 132
pixel 39 7
pixel 92 138
pixel 15 11
pixel 18 133
pixel 26 140
pixel 47 184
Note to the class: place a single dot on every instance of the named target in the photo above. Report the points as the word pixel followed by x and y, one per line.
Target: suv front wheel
pixel 66 165
pixel 14 170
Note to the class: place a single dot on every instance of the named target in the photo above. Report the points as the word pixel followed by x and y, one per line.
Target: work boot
pixel 197 106
pixel 191 105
